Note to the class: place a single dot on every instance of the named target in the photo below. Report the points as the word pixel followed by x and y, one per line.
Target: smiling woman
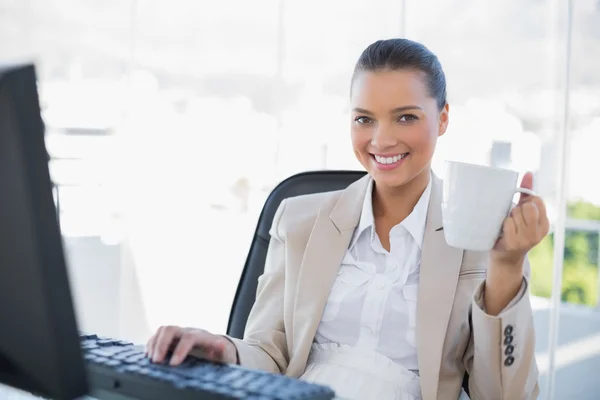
pixel 360 290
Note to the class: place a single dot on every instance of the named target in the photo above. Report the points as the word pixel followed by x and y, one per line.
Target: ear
pixel 444 119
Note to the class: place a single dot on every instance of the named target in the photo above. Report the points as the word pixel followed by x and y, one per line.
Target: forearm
pixel 266 357
pixel 502 284
pixel 501 357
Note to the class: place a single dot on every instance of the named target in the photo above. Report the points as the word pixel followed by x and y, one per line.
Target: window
pixel 168 123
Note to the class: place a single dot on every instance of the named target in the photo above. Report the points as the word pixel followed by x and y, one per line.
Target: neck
pixel 396 203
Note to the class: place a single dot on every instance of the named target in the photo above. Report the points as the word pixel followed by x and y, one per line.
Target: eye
pixel 408 118
pixel 363 120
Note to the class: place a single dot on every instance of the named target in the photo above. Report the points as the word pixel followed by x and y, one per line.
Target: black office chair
pixel 303 183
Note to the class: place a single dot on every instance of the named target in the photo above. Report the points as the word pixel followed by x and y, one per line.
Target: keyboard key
pixel 107 342
pixel 125 354
pixel 88 337
pixel 146 371
pixel 112 363
pixel 132 368
pixel 228 377
pixel 106 352
pixel 243 381
pixel 144 361
pixel 135 358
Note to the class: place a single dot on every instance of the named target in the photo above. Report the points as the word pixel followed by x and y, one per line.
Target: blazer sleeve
pixel 264 345
pixel 500 358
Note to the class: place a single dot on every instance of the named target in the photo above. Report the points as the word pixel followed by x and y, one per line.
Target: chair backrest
pixel 303 183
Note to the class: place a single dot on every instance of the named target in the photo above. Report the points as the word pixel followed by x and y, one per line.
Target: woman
pixel 361 291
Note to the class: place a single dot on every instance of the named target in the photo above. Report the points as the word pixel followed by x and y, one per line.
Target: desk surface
pixel 8 393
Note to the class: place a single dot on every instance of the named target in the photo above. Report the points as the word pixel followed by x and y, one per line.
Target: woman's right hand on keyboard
pixel 183 340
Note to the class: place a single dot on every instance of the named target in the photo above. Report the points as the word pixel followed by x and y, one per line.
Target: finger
pixel 530 214
pixel 541 206
pixel 509 230
pixel 164 341
pixel 152 342
pixel 210 347
pixel 526 183
pixel 183 348
pixel 544 225
pixel 524 233
pixel 517 218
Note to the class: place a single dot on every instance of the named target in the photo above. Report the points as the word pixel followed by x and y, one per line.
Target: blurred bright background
pixel 169 122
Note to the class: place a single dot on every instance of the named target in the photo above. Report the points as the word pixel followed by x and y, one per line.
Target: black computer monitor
pixel 39 339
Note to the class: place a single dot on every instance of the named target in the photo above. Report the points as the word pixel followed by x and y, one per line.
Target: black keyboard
pixel 116 366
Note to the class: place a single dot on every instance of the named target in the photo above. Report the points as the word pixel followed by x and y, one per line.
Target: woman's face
pixel 395 125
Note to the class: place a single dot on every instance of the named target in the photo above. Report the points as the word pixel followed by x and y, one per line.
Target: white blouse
pixel 379 287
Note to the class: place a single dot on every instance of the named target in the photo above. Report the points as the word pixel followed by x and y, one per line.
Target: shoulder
pixel 300 212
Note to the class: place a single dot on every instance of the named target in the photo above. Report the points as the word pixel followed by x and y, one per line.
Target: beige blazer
pixel 309 237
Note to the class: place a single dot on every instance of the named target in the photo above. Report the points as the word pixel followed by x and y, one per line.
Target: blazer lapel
pixel 323 255
pixel 440 268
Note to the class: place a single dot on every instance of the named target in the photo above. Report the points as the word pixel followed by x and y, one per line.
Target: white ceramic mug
pixel 476 201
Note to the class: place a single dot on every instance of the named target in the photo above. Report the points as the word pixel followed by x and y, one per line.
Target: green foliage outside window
pixel 580 273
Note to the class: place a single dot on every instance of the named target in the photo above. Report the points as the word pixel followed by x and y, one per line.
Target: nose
pixel 383 138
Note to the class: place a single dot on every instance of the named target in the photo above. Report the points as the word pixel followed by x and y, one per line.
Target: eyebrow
pixel 394 111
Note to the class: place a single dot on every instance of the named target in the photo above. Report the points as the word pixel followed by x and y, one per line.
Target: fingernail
pixel 174 360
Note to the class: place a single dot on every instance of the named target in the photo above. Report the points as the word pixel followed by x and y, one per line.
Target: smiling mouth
pixel 390 159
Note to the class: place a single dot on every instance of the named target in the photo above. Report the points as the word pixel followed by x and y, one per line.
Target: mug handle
pixel 525 191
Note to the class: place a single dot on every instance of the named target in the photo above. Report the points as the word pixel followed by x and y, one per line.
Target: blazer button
pixel 508 330
pixel 509 350
pixel 509 361
pixel 508 340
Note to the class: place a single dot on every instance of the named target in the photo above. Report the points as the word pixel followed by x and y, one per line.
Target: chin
pixel 387 179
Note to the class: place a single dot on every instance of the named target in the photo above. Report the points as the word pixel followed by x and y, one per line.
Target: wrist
pixel 231 353
pixel 507 260
pixel 502 284
pixel 503 269
pixel 504 276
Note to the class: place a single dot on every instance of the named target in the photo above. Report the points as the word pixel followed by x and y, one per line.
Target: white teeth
pixel 390 160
